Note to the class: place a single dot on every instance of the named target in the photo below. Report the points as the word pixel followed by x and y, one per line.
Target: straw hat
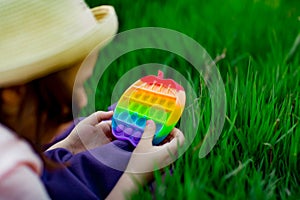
pixel 44 36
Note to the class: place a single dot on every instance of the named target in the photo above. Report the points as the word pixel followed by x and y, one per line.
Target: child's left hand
pixel 93 131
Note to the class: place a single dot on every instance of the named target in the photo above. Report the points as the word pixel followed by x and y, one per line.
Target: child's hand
pixel 89 133
pixel 146 157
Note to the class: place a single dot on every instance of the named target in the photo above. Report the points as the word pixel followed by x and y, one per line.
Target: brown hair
pixel 53 102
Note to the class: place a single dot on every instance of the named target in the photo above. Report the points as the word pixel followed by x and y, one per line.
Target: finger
pixel 97 117
pixel 105 127
pixel 148 134
pixel 104 115
pixel 177 141
pixel 179 136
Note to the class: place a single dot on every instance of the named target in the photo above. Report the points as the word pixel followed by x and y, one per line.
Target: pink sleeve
pixel 20 168
pixel 23 184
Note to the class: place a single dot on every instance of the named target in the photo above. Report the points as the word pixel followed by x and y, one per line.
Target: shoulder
pixel 15 152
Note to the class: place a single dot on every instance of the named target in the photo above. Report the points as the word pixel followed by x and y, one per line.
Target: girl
pixel 42 46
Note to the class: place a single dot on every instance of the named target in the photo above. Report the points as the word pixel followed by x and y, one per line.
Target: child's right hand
pixel 145 159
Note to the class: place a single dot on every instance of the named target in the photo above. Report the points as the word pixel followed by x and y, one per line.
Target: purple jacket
pixel 87 174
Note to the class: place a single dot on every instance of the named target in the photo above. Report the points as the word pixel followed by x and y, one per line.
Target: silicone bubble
pixel 151 97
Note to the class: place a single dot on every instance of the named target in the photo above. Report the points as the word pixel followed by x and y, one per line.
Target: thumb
pixel 149 132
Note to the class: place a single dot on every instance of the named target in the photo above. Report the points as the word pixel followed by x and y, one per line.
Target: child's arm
pixel 20 168
pixel 22 183
pixel 125 186
pixel 144 159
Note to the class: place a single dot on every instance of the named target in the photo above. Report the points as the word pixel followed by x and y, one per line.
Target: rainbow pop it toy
pixel 151 97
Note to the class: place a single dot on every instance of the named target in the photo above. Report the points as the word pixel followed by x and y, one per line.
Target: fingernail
pixel 149 122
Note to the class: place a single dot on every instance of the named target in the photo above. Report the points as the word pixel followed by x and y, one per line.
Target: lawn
pixel 258 153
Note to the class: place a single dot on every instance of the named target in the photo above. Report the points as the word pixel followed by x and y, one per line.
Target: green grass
pixel 258 153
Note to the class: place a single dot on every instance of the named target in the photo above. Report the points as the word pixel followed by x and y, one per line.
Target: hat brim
pixel 72 52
